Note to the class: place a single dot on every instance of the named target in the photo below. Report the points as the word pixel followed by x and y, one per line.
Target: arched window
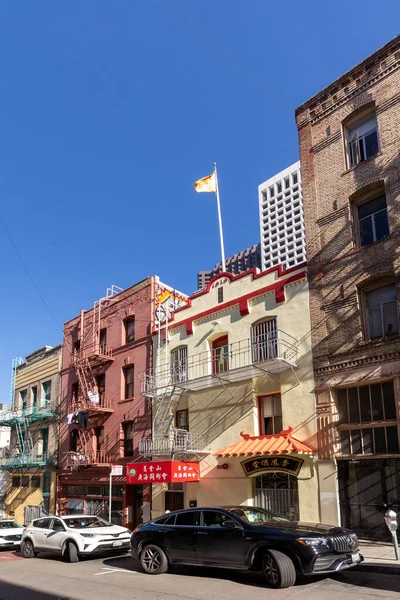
pixel 264 340
pixel 179 364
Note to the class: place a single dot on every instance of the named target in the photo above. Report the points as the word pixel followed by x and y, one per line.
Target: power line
pixel 218 48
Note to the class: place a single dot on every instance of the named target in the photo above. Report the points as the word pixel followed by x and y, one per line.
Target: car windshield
pixel 86 522
pixel 9 525
pixel 255 515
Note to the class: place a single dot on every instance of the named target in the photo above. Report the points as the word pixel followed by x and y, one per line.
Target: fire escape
pixel 89 404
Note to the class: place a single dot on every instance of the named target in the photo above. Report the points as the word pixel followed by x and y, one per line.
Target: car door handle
pixel 202 533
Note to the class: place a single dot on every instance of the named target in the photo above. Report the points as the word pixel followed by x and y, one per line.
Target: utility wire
pixel 218 48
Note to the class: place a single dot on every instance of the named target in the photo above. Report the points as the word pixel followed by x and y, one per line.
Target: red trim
pixel 278 287
pixel 222 338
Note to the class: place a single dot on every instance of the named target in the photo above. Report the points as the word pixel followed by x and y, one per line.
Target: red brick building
pixel 349 136
pixel 103 414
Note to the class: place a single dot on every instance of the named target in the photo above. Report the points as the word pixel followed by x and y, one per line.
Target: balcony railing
pixel 30 459
pixel 42 410
pixel 178 442
pixel 104 404
pixel 268 354
pixel 96 353
pixel 84 459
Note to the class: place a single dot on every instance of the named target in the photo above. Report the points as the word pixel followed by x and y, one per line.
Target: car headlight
pixel 316 542
pixel 89 535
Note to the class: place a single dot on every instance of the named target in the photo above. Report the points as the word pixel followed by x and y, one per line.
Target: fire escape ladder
pixel 174 406
pixel 24 437
pixel 168 404
pixel 86 378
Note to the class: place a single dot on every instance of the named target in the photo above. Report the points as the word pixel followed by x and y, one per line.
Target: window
pixel 44 434
pixel 372 220
pixel 271 414
pixel 220 355
pixel 35 482
pixel 362 140
pixel 75 392
pixel 103 340
pixel 42 523
pixel 101 386
pixel 16 481
pixel 129 330
pixel 212 518
pixel 46 483
pixel 179 364
pixel 73 440
pixel 382 311
pixel 99 434
pixel 264 340
pixel 22 399
pixel 57 525
pixel 128 438
pixel 46 392
pixel 129 374
pixel 187 518
pixel 34 397
pixel 24 481
pixel 220 295
pixel 367 420
pixel 182 419
pixel 169 520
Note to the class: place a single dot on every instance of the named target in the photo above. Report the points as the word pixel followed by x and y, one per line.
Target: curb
pixel 378 568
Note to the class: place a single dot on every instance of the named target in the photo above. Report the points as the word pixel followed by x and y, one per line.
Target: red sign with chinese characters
pixel 168 471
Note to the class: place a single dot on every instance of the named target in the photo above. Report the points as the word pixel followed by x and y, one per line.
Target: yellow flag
pixel 206 184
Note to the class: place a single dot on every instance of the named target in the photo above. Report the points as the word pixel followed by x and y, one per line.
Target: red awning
pixel 166 471
pixel 278 443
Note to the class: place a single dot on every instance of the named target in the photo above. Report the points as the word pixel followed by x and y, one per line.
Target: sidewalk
pixel 378 558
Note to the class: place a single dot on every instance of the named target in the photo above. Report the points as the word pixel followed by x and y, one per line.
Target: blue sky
pixel 111 110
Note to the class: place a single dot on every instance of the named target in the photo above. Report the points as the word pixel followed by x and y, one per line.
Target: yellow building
pixel 32 457
pixel 232 388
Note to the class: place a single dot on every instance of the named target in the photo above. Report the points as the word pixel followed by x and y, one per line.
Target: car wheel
pixel 153 560
pixel 72 553
pixel 278 569
pixel 28 550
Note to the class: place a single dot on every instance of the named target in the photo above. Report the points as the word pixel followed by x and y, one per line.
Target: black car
pixel 244 537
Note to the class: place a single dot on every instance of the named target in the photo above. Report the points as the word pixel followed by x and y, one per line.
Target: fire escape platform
pixel 28 415
pixel 23 461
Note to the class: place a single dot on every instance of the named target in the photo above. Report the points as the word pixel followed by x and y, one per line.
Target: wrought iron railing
pixel 28 459
pixel 278 349
pixel 81 459
pixel 177 441
pixel 43 409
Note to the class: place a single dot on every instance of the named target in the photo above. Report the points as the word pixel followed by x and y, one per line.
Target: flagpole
pixel 221 236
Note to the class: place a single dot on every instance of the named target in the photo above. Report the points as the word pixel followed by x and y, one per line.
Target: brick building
pixel 349 135
pixel 103 414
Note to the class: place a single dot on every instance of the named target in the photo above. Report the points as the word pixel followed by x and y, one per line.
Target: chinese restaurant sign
pixel 168 471
pixel 265 464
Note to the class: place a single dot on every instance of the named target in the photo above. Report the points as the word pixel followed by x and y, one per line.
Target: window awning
pixel 277 443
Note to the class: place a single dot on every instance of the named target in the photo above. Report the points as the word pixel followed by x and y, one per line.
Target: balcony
pixel 74 460
pixel 179 442
pixel 248 359
pixel 96 354
pixel 33 412
pixel 99 404
pixel 30 459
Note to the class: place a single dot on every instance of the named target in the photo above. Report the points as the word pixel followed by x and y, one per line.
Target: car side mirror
pixel 231 525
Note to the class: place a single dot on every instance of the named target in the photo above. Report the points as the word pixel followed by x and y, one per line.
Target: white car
pixel 10 533
pixel 74 536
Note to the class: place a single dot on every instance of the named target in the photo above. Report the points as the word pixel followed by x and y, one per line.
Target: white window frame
pixel 359 132
pixel 368 309
pixel 179 364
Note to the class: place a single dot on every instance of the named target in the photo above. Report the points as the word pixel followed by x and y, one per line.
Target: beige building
pixel 33 452
pixel 232 389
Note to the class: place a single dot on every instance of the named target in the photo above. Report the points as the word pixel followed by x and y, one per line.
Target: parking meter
pixel 391 522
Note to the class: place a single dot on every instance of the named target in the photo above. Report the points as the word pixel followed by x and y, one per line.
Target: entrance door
pixel 278 492
pixel 220 355
pixel 366 489
pixel 173 501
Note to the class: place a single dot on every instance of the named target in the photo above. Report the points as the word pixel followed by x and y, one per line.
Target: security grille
pixel 278 492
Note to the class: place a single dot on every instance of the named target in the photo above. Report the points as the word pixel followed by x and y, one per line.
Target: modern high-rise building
pixel 238 263
pixel 282 220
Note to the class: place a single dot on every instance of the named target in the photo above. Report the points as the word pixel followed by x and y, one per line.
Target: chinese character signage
pixel 168 471
pixel 265 464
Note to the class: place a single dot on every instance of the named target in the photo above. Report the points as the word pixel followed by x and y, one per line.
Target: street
pixel 48 578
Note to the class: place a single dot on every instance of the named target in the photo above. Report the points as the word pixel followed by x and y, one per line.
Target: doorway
pixel 278 492
pixel 174 501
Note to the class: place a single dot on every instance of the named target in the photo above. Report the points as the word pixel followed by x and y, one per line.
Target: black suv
pixel 244 537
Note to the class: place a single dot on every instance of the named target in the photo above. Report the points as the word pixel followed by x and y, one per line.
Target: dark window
pixel 16 481
pixel 44 434
pixel 99 433
pixel 129 374
pixel 94 490
pixel 46 392
pixel 212 518
pixel 373 222
pixel 363 141
pixel 103 341
pixel 271 414
pixel 186 518
pixel 75 393
pixel 77 346
pixel 24 481
pixel 34 397
pixel 57 525
pixel 382 311
pixel 182 419
pixel 101 387
pixel 46 483
pixel 169 520
pixel 73 440
pixel 363 406
pixel 35 481
pixel 179 364
pixel 128 438
pixel 220 295
pixel 22 399
pixel 76 490
pixel 129 330
pixel 42 523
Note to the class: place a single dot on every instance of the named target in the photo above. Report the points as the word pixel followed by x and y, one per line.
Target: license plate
pixel 355 558
pixel 117 543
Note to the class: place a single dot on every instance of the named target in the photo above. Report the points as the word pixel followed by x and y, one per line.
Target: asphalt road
pixel 48 578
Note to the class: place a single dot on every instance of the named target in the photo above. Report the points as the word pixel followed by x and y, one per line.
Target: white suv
pixel 74 536
pixel 10 533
